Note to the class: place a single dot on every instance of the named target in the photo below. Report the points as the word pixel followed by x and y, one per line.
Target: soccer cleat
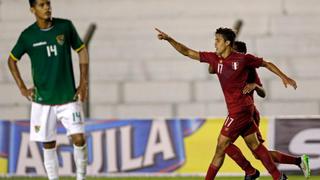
pixel 283 177
pixel 253 176
pixel 304 166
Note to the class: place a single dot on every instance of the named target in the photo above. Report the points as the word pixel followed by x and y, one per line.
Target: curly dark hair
pixel 240 47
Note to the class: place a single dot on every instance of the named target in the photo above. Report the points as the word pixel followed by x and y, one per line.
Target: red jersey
pixel 253 78
pixel 233 75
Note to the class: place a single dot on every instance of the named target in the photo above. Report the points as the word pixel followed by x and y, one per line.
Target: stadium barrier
pixel 157 146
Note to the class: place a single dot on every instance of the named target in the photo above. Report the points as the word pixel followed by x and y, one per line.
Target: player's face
pixel 220 44
pixel 42 9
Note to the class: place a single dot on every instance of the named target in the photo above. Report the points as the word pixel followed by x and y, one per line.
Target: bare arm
pixel 184 50
pixel 82 90
pixel 28 93
pixel 285 79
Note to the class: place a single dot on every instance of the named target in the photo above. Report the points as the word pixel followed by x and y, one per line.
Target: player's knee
pixel 223 144
pixel 253 145
pixel 49 145
pixel 78 139
pixel 252 141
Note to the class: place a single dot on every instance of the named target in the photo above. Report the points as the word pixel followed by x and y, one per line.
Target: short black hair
pixel 227 34
pixel 32 2
pixel 240 47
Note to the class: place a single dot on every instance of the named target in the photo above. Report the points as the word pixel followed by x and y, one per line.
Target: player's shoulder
pixel 207 53
pixel 245 56
pixel 30 29
pixel 61 21
pixel 249 55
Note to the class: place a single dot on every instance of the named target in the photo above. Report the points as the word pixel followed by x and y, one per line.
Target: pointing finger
pixel 158 30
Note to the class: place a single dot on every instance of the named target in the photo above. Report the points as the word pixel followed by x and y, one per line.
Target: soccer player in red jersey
pixel 254 84
pixel 231 68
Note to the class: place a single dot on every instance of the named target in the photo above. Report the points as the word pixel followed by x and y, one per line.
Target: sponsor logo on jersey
pixel 42 43
pixel 60 39
pixel 235 65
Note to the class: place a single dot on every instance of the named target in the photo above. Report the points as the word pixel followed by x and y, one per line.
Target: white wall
pixel 135 75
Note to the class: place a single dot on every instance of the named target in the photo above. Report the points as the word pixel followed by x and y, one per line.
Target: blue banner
pixel 132 145
pixel 4 145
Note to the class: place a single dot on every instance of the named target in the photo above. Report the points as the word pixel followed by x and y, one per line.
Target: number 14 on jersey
pixel 52 50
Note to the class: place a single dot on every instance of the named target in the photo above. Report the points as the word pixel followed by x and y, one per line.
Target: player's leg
pixel 278 157
pixel 234 125
pixel 218 157
pixel 256 118
pixel 50 158
pixel 283 158
pixel 71 117
pixel 43 129
pixel 302 162
pixel 263 155
pixel 259 150
pixel 80 154
pixel 236 155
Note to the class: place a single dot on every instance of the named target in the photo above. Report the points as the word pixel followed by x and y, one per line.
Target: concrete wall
pixel 135 75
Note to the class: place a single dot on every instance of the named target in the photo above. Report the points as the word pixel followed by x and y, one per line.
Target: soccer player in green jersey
pixel 48 43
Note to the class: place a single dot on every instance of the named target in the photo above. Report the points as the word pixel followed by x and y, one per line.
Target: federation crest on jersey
pixel 60 39
pixel 235 65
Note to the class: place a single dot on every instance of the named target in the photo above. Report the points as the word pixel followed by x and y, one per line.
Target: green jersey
pixel 50 54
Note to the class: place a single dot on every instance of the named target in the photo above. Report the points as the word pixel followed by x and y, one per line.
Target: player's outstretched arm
pixel 178 46
pixel 285 79
pixel 82 90
pixel 28 93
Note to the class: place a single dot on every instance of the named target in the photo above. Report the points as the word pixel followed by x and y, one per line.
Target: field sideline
pixel 154 178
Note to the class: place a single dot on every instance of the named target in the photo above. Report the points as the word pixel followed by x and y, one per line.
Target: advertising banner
pixel 298 136
pixel 113 146
pixel 132 146
pixel 4 146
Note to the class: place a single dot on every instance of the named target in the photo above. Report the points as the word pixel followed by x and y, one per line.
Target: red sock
pixel 212 172
pixel 267 161
pixel 235 154
pixel 282 158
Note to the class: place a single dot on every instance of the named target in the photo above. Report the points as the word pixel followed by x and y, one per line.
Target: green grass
pixel 155 178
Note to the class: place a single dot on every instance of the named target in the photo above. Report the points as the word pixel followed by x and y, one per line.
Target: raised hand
pixel 162 35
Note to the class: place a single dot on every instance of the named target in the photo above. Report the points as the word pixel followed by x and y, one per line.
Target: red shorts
pixel 256 118
pixel 240 124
